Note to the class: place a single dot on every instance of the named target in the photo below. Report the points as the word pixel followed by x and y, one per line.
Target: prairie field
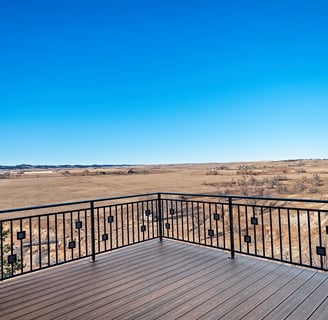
pixel 290 178
pixel 46 238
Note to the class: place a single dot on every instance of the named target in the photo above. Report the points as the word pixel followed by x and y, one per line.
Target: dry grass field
pixel 283 179
pixel 293 178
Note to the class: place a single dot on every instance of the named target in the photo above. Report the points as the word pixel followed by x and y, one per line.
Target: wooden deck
pixel 167 280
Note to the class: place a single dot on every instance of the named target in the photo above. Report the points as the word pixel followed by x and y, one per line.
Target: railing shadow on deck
pixel 293 231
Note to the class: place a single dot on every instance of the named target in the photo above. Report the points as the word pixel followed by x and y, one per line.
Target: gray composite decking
pixel 167 280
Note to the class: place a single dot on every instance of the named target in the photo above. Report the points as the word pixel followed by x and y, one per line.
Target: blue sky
pixel 162 81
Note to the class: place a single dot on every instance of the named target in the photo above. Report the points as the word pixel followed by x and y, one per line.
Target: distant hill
pixel 63 166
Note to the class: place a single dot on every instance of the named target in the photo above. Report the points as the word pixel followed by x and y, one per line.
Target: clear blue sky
pixel 162 81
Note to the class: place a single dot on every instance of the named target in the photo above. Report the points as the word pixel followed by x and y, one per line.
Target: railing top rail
pixel 75 203
pixel 245 197
pixel 163 193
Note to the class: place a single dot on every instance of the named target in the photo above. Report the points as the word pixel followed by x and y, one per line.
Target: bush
pixel 282 188
pixel 312 190
pixel 8 268
pixel 316 180
pixel 299 186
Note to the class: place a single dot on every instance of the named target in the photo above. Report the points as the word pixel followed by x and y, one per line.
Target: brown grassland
pixel 290 178
pixel 283 179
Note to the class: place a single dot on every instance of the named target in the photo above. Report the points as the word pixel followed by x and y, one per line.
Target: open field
pixel 293 178
pixel 285 231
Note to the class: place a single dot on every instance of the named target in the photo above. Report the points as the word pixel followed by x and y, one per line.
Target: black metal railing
pixel 294 231
pixel 289 230
pixel 32 238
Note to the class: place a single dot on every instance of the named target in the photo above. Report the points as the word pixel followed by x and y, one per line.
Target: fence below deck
pixel 293 231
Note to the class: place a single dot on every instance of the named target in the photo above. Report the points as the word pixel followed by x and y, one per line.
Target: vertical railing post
pixel 93 236
pixel 232 242
pixel 159 222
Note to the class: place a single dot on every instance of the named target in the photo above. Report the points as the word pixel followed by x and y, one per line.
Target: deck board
pixel 316 299
pixel 167 280
pixel 195 288
pixel 270 296
pixel 251 295
pixel 299 296
pixel 321 312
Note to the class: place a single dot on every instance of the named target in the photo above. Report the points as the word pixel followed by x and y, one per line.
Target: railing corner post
pixel 159 222
pixel 232 242
pixel 93 236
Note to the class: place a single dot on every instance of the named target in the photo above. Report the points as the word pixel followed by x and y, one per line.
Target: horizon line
pixel 149 164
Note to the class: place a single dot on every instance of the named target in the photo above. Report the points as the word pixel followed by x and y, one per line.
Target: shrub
pixel 282 188
pixel 312 190
pixel 8 268
pixel 316 180
pixel 299 186
pixel 259 191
